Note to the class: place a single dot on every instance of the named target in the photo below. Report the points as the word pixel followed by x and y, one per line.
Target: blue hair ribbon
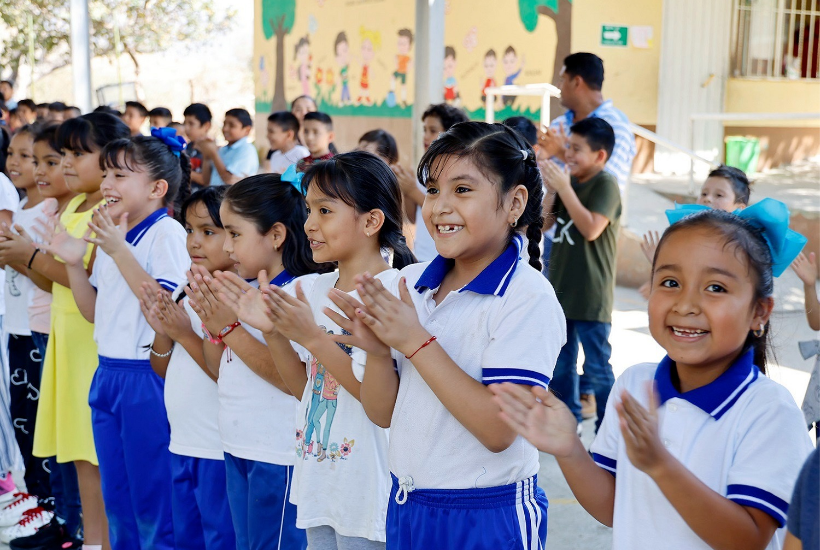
pixel 772 217
pixel 293 177
pixel 169 137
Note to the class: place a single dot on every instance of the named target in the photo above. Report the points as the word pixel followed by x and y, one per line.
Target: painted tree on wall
pixel 277 20
pixel 559 11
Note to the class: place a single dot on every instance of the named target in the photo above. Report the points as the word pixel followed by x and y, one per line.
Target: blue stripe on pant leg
pixel 212 499
pixel 103 398
pixel 187 521
pixel 236 474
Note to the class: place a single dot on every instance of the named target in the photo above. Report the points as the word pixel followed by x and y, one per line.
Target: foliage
pixel 276 13
pixel 144 25
pixel 529 10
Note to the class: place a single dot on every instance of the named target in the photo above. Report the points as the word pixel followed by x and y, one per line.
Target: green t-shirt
pixel 583 272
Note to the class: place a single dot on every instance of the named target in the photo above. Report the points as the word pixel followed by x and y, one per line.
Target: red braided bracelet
pixel 424 345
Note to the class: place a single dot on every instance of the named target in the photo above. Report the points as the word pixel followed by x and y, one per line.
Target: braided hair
pixel 498 151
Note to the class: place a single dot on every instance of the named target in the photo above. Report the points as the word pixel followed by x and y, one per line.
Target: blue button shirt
pixel 240 159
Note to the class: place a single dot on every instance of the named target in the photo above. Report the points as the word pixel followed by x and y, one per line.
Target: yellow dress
pixel 63 426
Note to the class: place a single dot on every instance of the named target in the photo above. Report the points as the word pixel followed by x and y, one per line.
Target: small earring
pixel 367 234
pixel 759 332
pixel 514 223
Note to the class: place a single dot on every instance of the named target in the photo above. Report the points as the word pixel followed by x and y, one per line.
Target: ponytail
pixel 184 185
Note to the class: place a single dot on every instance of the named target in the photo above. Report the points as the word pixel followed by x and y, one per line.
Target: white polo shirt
pixel 256 418
pixel 191 400
pixel 742 435
pixel 158 244
pixel 504 326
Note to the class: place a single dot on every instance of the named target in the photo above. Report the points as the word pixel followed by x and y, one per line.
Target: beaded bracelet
pixel 161 354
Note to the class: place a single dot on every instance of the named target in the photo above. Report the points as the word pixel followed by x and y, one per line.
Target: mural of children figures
pixel 510 63
pixel 371 41
pixel 403 63
pixel 450 85
pixel 301 55
pixel 342 51
pixel 490 64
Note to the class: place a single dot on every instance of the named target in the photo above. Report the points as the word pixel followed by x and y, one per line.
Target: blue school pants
pixel 262 516
pixel 202 517
pixel 509 516
pixel 132 435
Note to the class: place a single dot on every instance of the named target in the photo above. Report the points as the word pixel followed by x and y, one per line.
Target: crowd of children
pixel 208 353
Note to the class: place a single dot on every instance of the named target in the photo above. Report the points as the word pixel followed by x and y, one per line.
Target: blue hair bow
pixel 169 137
pixel 770 215
pixel 293 177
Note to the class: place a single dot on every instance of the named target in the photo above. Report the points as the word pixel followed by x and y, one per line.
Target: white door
pixel 694 66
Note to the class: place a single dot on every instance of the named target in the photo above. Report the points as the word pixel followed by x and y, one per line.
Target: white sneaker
pixel 12 513
pixel 31 522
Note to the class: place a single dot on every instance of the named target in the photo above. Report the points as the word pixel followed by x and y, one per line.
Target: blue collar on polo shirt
pixel 135 234
pixel 494 280
pixel 282 279
pixel 717 397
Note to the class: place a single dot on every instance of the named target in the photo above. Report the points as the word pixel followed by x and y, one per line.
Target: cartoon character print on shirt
pixel 313 440
pixel 14 290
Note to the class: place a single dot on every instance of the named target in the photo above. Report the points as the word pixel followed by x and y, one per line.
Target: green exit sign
pixel 614 35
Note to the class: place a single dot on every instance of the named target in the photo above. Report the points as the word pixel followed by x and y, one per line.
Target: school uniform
pixel 256 422
pixel 742 435
pixel 504 326
pixel 126 397
pixel 202 517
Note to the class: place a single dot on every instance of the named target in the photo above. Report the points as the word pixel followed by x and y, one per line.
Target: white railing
pixel 544 91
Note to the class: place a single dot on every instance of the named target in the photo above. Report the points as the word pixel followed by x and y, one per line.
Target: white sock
pixel 92 546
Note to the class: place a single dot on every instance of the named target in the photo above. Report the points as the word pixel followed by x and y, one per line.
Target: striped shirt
pixel 620 163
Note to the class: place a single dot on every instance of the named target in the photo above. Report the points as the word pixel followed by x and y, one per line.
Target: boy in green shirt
pixel 585 203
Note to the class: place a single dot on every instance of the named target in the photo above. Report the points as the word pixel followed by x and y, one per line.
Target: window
pixel 776 39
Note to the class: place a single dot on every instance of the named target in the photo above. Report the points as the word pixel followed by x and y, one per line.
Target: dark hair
pixel 161 111
pixel 340 38
pixel 490 53
pixel 286 120
pixel 292 103
pixel 407 33
pixel 91 132
pixel 525 127
pixel 505 158
pixel 364 182
pixel 588 66
pixel 740 235
pixel 509 49
pixel 74 111
pixel 597 133
pixel 320 117
pixel 153 156
pixel 737 179
pixel 138 106
pixel 385 144
pixel 210 197
pixel 303 41
pixel 58 107
pixel 48 134
pixel 265 200
pixel 449 51
pixel 28 103
pixel 107 109
pixel 242 115
pixel 30 129
pixel 42 106
pixel 176 125
pixel 199 111
pixel 447 114
pixel 9 82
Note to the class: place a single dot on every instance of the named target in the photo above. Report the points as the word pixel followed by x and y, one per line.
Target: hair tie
pixel 771 217
pixel 169 137
pixel 524 153
pixel 293 177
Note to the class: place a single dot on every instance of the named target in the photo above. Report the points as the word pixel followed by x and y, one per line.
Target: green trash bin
pixel 743 153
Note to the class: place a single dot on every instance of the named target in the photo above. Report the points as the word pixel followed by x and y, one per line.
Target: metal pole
pixel 691 160
pixel 81 54
pixel 31 54
pixel 428 65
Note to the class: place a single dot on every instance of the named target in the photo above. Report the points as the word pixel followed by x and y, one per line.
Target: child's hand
pixel 244 300
pixel 175 320
pixel 15 248
pixel 640 432
pixel 552 141
pixel 292 316
pixel 394 321
pixel 206 146
pixel 650 244
pixel 806 268
pixel 555 177
pixel 360 335
pixel 215 315
pixel 539 416
pixel 406 177
pixel 109 236
pixel 148 306
pixel 58 242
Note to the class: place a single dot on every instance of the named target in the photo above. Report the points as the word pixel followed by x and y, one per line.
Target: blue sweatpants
pixel 202 517
pixel 509 516
pixel 262 516
pixel 132 436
